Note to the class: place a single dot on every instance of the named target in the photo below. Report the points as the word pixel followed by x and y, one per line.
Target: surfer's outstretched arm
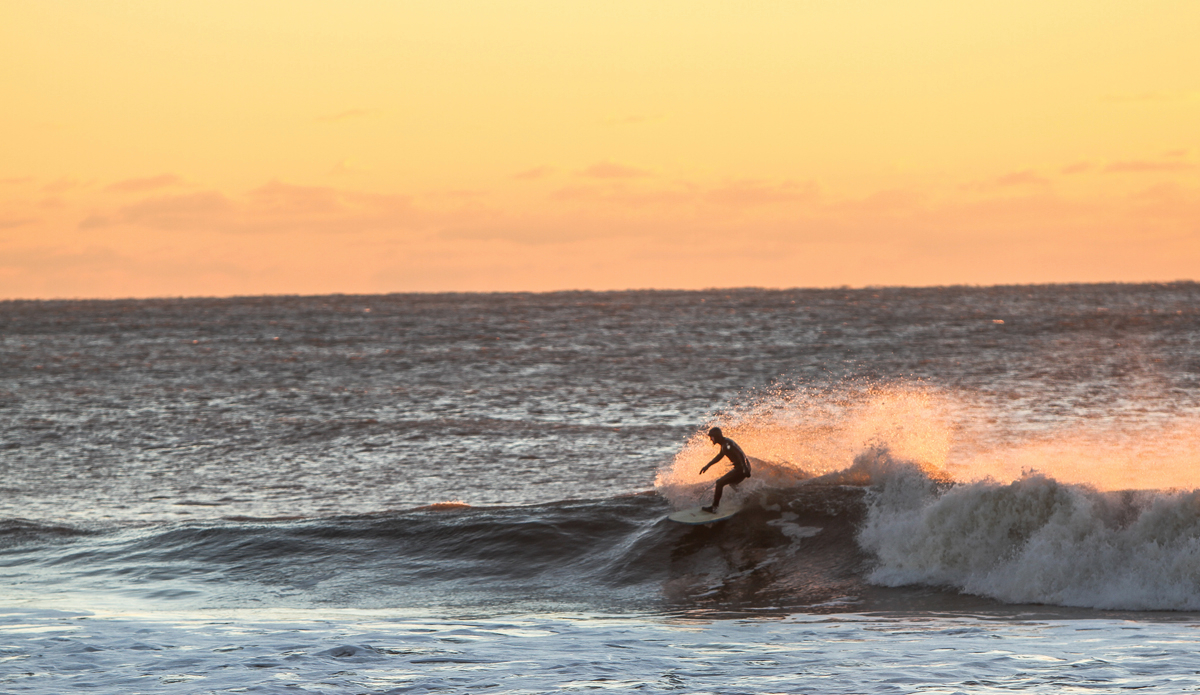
pixel 710 463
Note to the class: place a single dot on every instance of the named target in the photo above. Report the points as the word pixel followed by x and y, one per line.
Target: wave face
pixel 791 548
pixel 904 541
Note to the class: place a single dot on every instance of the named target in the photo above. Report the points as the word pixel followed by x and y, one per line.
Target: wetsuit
pixel 741 468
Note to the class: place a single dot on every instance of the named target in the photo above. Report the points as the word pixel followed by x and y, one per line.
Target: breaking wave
pixel 944 508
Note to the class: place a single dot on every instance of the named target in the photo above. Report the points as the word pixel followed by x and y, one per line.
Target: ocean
pixel 955 489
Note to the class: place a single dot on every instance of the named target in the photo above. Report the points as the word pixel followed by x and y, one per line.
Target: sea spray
pixel 793 434
pixel 797 432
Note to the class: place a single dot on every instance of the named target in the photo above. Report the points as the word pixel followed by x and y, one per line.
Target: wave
pixel 620 553
pixel 884 534
pixel 943 507
pixel 1037 540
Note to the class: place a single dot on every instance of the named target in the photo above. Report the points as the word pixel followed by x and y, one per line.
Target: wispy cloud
pixel 273 207
pixel 172 212
pixel 148 183
pixel 1077 168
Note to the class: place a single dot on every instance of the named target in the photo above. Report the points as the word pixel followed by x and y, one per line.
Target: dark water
pixel 283 451
pixel 954 490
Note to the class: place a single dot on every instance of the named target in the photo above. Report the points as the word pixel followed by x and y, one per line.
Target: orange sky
pixel 216 148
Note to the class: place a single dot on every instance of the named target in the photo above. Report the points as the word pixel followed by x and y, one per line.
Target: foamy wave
pixel 953 501
pixel 1037 540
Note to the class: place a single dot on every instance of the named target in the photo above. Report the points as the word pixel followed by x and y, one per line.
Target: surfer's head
pixel 715 435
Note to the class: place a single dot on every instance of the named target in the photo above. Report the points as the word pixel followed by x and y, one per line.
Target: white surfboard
pixel 696 515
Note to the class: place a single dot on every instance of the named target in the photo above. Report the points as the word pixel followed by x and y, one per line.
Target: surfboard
pixel 696 516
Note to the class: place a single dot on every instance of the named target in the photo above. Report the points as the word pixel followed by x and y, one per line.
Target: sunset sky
pixel 294 147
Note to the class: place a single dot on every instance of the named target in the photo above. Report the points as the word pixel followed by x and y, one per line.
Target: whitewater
pixel 955 490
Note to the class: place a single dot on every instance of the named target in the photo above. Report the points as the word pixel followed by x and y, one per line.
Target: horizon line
pixel 744 288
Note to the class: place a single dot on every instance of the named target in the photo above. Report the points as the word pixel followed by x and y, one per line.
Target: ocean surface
pixel 958 489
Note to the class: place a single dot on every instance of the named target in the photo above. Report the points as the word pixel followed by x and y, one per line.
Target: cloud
pixel 14 180
pixel 148 183
pixel 610 170
pixel 1145 166
pixel 344 115
pixel 188 211
pixel 1077 168
pixel 296 238
pixel 272 207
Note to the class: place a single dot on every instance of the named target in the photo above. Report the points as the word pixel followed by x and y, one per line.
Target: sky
pixel 215 148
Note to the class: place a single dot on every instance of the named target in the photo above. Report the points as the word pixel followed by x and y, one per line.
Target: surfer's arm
pixel 710 463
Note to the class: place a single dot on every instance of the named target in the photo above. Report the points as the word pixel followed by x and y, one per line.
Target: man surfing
pixel 741 465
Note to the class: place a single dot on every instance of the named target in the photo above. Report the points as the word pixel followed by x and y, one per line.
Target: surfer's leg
pixel 712 508
pixel 730 478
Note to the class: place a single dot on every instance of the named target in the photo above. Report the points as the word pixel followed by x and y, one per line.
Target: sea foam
pixel 1036 540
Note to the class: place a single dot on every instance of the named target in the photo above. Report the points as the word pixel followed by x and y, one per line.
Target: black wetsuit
pixel 741 467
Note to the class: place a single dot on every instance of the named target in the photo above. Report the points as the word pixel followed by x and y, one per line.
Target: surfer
pixel 741 465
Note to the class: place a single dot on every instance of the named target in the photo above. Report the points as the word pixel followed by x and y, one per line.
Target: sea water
pixel 955 490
